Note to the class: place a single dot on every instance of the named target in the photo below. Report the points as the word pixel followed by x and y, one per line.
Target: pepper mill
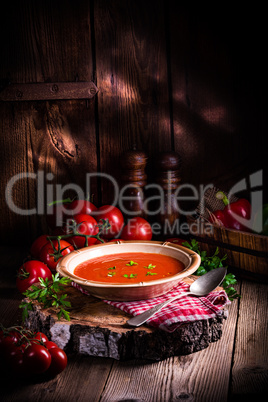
pixel 168 176
pixel 133 180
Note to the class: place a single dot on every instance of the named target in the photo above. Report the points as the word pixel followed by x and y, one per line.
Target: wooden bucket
pixel 244 250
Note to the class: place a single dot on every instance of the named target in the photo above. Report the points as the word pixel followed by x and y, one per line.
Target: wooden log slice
pixel 98 329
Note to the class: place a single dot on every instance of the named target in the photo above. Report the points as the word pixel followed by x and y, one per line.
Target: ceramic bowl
pixel 132 291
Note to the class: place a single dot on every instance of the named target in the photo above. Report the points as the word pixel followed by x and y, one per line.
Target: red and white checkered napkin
pixel 183 310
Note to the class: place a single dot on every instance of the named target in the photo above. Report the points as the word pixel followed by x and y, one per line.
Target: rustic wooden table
pixel 228 370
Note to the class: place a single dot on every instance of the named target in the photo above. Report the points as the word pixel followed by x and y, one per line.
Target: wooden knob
pixel 168 166
pixel 168 161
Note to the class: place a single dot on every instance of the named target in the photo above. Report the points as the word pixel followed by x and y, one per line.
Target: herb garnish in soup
pixel 129 267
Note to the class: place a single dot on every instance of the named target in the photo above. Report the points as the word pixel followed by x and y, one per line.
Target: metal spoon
pixel 201 287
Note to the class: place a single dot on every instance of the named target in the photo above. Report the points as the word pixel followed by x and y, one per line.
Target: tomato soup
pixel 129 268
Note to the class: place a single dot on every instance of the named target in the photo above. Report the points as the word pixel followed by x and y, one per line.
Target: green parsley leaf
pixel 131 263
pixel 48 294
pixel 213 262
pixel 150 266
pixel 65 314
pixel 26 308
pixel 150 273
pixel 131 276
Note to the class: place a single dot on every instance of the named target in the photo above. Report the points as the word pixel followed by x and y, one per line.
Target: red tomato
pixel 81 207
pixel 58 361
pixel 137 229
pixel 12 357
pixel 115 217
pixel 39 336
pixel 7 342
pixel 35 355
pixel 49 345
pixel 37 245
pixel 36 359
pixel 58 214
pixel 29 273
pixel 15 361
pixel 86 225
pixel 50 257
pixel 10 350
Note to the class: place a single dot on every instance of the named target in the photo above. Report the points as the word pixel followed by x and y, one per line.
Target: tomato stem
pixel 66 201
pixel 23 274
pixel 74 232
pixel 221 196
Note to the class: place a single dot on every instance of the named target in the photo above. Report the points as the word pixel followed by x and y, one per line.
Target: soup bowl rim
pixel 65 268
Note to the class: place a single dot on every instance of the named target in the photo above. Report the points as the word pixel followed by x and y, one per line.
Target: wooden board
pixel 205 61
pixel 201 376
pixel 165 74
pixel 45 44
pixel 133 82
pixel 98 329
pixel 250 367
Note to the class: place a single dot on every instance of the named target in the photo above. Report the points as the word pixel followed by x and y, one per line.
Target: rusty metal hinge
pixel 48 91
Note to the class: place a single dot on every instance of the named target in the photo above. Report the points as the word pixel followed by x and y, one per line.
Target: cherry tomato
pixel 29 273
pixel 81 207
pixel 27 353
pixel 10 350
pixel 7 341
pixel 38 243
pixel 59 213
pixel 115 217
pixel 87 225
pixel 49 256
pixel 39 336
pixel 49 345
pixel 137 229
pixel 58 361
pixel 12 357
pixel 15 361
pixel 36 359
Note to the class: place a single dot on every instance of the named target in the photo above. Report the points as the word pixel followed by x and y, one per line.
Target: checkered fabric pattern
pixel 184 310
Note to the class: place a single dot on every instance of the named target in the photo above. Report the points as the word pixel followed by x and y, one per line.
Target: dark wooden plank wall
pixel 170 77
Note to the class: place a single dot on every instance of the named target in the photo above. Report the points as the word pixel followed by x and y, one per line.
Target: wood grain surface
pixel 229 370
pixel 56 138
pixel 170 78
pixel 132 79
pixel 98 329
pixel 251 346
